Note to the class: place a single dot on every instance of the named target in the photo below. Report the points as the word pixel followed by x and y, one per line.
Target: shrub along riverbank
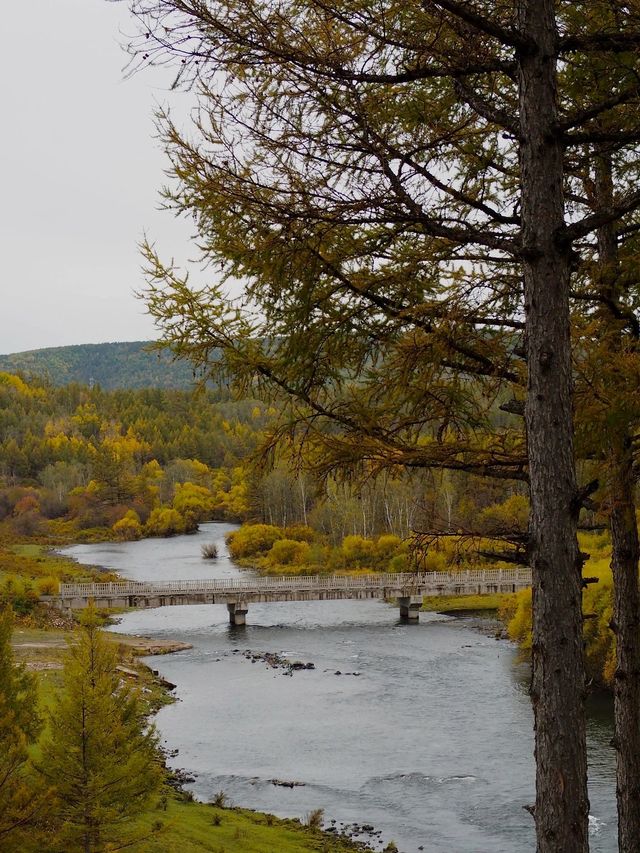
pixel 597 607
pixel 299 550
pixel 28 569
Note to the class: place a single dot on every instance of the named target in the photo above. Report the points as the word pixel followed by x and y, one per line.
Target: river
pixel 430 742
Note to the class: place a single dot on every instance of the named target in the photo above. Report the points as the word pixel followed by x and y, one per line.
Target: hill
pixel 111 365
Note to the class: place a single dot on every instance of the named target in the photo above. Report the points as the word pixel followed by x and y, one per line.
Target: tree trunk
pixel 558 682
pixel 625 557
pixel 626 625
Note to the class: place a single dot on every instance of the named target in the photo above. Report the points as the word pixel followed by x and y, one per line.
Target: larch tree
pixel 394 181
pixel 607 359
pixel 21 798
pixel 608 377
pixel 100 754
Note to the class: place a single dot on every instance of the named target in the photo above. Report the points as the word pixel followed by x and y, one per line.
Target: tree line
pixel 131 364
pixel 83 462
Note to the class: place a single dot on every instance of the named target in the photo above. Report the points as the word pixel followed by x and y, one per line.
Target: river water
pixel 430 742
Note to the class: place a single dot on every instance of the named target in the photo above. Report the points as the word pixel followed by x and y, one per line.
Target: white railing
pixel 432 580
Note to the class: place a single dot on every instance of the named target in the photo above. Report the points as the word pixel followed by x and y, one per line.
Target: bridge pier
pixel 410 607
pixel 237 612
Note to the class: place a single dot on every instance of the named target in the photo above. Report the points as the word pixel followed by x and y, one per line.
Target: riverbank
pixel 43 650
pixel 431 744
pixel 29 569
pixel 193 827
pixel 176 821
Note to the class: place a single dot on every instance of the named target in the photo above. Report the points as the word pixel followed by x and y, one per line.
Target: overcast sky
pixel 80 177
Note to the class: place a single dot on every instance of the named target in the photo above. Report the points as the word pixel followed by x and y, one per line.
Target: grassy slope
pixel 461 603
pixel 34 561
pixel 189 827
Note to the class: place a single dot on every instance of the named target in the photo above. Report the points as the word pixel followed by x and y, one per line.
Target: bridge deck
pixel 408 588
pixel 271 588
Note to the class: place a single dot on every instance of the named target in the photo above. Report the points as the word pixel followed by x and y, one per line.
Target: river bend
pixel 426 733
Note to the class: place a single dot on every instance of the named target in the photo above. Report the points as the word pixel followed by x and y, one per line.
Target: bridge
pixel 407 588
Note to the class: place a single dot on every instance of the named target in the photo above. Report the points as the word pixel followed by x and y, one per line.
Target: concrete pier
pixel 237 612
pixel 410 607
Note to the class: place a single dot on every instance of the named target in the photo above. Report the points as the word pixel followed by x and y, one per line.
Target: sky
pixel 80 174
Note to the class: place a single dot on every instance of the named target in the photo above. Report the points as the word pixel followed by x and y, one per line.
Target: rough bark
pixel 626 625
pixel 625 557
pixel 558 682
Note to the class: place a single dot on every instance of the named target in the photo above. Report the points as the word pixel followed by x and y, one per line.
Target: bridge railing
pixel 391 581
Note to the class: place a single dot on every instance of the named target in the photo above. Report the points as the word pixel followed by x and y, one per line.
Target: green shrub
pixel 300 533
pixel 358 551
pixel 435 560
pixel 600 642
pixel 19 593
pixel 518 615
pixel 47 586
pixel 511 514
pixel 399 563
pixel 386 547
pixel 220 800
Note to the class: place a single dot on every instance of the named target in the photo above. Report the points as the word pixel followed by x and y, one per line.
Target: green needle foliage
pixel 20 799
pixel 100 753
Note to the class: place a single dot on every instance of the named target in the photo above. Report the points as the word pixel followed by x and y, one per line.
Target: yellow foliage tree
pixel 128 528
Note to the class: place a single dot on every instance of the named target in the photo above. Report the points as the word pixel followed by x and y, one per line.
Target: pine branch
pixel 486 110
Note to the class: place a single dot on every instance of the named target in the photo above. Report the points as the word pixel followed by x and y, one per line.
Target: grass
pixel 461 603
pixel 197 827
pixel 28 549
pixel 174 822
pixel 39 647
pixel 34 561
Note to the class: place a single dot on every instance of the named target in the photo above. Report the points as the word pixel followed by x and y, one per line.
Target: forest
pixel 130 364
pixel 84 464
pixel 81 462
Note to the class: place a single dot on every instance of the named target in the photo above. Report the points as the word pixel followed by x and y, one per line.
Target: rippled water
pixel 430 742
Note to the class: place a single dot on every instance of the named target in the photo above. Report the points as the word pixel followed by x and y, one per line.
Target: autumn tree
pixel 607 357
pixel 194 503
pixel 394 182
pixel 608 372
pixel 100 754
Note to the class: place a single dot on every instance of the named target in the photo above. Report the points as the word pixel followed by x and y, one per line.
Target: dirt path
pixel 39 649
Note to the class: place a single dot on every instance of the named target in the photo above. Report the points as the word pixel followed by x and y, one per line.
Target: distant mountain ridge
pixel 110 365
